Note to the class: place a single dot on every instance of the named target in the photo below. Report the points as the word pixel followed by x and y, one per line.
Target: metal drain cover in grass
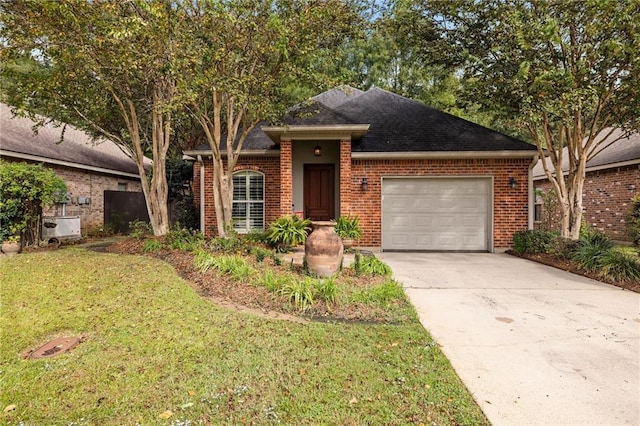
pixel 54 347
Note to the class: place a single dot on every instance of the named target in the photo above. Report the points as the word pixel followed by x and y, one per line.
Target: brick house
pixel 612 180
pixel 418 178
pixel 88 168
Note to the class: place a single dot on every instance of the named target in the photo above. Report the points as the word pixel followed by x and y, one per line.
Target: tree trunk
pixel 156 191
pixel 223 198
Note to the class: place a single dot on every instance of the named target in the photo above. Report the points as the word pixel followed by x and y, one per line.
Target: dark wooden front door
pixel 319 191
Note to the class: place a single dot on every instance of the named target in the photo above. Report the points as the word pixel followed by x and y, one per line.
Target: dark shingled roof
pixel 397 124
pixel 335 97
pixel 17 139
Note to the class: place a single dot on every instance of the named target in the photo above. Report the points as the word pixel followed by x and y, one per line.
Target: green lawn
pixel 157 353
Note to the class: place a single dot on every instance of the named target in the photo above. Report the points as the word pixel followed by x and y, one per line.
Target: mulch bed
pixel 241 296
pixel 570 266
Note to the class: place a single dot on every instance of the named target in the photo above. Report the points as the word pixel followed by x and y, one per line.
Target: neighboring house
pixel 612 180
pixel 418 178
pixel 89 168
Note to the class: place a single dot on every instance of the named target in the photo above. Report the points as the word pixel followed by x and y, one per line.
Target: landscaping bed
pixel 593 256
pixel 571 266
pixel 246 294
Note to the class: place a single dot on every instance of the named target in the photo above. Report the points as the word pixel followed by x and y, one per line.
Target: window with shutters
pixel 248 201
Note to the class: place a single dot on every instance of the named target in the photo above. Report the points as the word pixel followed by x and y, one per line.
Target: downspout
pixel 202 218
pixel 532 196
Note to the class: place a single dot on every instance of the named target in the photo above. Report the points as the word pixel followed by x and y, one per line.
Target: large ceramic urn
pixel 323 249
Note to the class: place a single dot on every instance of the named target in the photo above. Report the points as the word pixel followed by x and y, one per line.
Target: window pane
pixel 239 216
pixel 537 213
pixel 239 188
pixel 256 212
pixel 256 187
pixel 248 201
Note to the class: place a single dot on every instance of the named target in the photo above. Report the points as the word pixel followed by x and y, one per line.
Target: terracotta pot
pixel 347 243
pixel 323 249
pixel 10 249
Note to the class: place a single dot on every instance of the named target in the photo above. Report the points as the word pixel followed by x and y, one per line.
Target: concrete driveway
pixel 533 344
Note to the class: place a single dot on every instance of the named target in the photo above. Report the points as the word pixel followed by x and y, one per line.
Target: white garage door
pixel 436 213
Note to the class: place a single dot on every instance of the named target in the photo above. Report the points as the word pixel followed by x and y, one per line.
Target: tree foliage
pixel 243 57
pixel 566 73
pixel 24 190
pixel 108 67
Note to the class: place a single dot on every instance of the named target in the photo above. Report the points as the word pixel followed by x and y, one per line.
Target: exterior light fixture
pixel 365 183
pixel 513 183
pixel 317 150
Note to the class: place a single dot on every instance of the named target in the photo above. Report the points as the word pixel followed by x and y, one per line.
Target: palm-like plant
pixel 288 231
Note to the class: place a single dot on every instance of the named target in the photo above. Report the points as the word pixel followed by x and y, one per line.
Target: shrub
pixel 590 248
pixel 633 220
pixel 151 245
pixel 327 290
pixel 299 292
pixel 186 213
pixel 256 236
pixel 272 281
pixel 183 239
pixel 616 265
pixel 533 241
pixel 380 295
pixel 348 227
pixel 288 231
pixel 25 189
pixel 203 261
pixel 235 266
pixel 370 265
pixel 260 253
pixel 228 244
pixel 140 229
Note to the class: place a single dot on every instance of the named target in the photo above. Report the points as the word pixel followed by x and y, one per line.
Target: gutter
pixel 316 132
pixel 441 155
pixel 531 193
pixel 252 153
pixel 202 218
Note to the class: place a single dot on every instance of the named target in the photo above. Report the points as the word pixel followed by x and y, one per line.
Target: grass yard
pixel 155 352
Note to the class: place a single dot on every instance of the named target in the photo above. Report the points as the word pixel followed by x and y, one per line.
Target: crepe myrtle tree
pixel 565 73
pixel 245 56
pixel 108 68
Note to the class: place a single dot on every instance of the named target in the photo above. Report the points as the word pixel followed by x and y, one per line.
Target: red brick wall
pixel 606 198
pixel 510 205
pixel 346 189
pixel 269 166
pixel 286 178
pixel 85 183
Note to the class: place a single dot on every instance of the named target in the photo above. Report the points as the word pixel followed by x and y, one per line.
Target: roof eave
pixel 598 168
pixel 316 132
pixel 248 153
pixel 443 155
pixel 39 159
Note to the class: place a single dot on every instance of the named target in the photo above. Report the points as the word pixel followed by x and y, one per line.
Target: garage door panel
pixel 436 213
pixel 400 223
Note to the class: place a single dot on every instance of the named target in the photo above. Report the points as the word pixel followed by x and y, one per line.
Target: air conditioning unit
pixel 61 227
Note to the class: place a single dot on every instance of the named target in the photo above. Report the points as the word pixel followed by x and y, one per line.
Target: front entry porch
pixel 316 185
